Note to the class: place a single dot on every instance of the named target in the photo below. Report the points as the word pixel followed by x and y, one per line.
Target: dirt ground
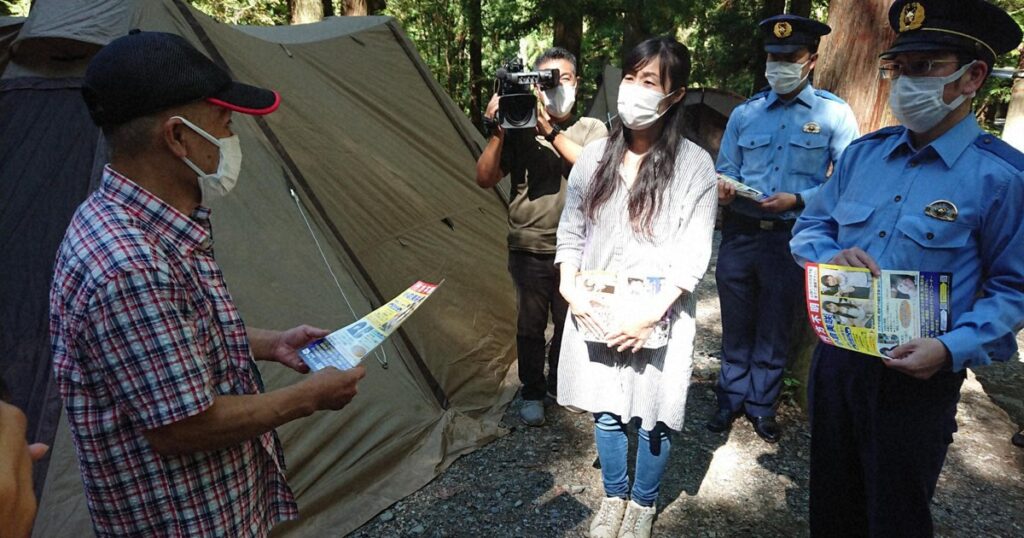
pixel 542 482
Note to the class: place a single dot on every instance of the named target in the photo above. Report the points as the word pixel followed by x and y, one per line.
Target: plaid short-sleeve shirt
pixel 145 334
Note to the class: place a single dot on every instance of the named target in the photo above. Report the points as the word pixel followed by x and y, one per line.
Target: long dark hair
pixel 656 168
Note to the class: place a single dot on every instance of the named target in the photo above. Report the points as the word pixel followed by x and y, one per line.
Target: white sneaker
pixel 532 412
pixel 637 522
pixel 608 518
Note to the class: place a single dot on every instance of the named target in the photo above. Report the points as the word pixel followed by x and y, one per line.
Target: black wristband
pixel 555 129
pixel 799 201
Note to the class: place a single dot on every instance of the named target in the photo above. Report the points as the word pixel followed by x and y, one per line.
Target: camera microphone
pixel 501 73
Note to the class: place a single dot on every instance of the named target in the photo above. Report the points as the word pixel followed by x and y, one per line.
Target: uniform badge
pixel 912 17
pixel 942 210
pixel 783 30
pixel 812 127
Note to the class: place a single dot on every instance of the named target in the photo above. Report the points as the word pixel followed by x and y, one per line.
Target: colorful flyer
pixel 346 347
pixel 611 294
pixel 851 309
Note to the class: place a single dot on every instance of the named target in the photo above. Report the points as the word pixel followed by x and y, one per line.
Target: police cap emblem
pixel 912 17
pixel 783 30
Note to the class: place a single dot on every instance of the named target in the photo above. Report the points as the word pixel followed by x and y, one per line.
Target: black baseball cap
pixel 784 34
pixel 972 26
pixel 146 72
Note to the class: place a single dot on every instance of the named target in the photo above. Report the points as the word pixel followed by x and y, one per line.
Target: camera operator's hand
pixel 490 112
pixel 543 118
pixel 492 107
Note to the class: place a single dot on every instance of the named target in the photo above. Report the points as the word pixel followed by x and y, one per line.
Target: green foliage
pixel 994 96
pixel 255 12
pixel 15 8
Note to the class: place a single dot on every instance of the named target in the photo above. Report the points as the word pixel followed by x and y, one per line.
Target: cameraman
pixel 539 161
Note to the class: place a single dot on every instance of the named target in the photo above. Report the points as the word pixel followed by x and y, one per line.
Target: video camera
pixel 517 104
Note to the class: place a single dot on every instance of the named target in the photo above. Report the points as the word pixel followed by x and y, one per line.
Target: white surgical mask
pixel 917 101
pixel 558 101
pixel 224 179
pixel 638 106
pixel 784 77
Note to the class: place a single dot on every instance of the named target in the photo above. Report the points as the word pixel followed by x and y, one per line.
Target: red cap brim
pixel 247 99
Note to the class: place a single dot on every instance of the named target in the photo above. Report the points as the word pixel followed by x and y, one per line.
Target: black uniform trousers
pixel 760 288
pixel 536 280
pixel 878 442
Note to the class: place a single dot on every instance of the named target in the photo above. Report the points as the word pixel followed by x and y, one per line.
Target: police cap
pixel 972 26
pixel 784 34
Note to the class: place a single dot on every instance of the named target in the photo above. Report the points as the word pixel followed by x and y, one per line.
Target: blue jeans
pixel 651 459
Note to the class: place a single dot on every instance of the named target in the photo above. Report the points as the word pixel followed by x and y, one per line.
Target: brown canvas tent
pixel 708 109
pixel 367 147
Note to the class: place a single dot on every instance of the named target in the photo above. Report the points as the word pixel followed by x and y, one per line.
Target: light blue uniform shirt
pixel 876 200
pixel 778 146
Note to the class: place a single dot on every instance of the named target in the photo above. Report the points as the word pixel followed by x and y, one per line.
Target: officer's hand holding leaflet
pixel 855 257
pixel 726 192
pixel 921 358
pixel 779 202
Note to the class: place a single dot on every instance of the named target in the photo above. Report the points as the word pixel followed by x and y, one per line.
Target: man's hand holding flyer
pixel 851 309
pixel 346 347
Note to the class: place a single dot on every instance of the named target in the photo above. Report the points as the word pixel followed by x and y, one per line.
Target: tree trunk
pixel 477 99
pixel 354 8
pixel 635 28
pixel 358 8
pixel 769 9
pixel 328 6
pixel 1013 131
pixel 848 64
pixel 569 30
pixel 800 7
pixel 305 11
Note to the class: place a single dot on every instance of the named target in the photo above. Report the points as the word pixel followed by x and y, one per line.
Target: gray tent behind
pixel 708 109
pixel 367 147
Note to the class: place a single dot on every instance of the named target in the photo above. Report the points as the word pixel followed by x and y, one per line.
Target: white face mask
pixel 638 106
pixel 917 101
pixel 224 179
pixel 784 77
pixel 558 101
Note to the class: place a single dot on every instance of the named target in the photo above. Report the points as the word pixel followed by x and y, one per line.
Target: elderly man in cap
pixel 935 193
pixel 174 433
pixel 781 142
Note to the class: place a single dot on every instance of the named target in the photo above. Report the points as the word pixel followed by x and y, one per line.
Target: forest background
pixel 464 42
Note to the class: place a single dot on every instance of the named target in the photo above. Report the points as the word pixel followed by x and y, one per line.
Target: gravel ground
pixel 542 482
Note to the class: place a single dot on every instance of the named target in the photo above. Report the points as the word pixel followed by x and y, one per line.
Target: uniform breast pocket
pixel 757 152
pixel 932 233
pixel 808 155
pixel 851 214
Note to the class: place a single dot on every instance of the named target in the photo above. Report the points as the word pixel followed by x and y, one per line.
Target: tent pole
pixel 296 173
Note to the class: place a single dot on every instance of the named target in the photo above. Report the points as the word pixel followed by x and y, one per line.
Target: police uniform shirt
pixel 778 146
pixel 952 206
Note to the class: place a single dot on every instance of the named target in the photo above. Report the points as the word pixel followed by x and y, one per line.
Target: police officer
pixel 935 193
pixel 780 142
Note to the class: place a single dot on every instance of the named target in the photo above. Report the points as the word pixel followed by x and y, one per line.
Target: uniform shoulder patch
pixel 1001 149
pixel 824 94
pixel 884 132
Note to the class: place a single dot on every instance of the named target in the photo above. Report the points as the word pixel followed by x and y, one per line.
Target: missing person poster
pixel 611 295
pixel 346 347
pixel 851 309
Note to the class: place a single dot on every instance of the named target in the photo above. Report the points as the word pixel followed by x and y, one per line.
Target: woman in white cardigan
pixel 640 204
